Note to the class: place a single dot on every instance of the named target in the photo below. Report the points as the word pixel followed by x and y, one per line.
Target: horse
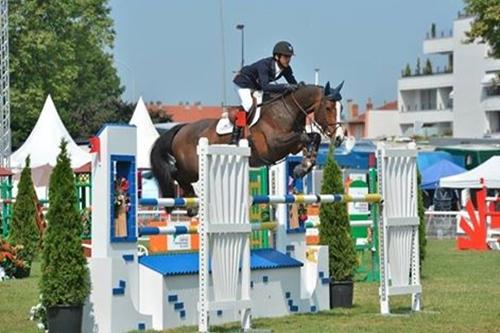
pixel 280 131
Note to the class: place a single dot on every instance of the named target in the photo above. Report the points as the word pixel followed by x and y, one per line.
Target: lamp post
pixel 316 76
pixel 241 27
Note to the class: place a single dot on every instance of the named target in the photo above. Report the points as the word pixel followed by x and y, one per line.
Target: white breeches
pixel 246 99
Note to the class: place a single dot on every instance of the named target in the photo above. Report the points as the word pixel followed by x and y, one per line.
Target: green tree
pixel 428 67
pixel 417 67
pixel 335 230
pixel 433 30
pixel 61 48
pixel 407 71
pixel 24 230
pixel 65 277
pixel 486 24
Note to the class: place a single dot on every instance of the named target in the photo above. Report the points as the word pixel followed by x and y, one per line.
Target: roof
pixel 40 175
pixel 44 140
pixel 393 105
pixel 471 147
pixel 189 113
pixel 488 172
pixel 360 118
pixel 146 134
pixel 4 172
pixel 187 263
pixel 86 168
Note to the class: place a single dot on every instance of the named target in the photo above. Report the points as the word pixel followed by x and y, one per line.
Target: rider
pixel 255 79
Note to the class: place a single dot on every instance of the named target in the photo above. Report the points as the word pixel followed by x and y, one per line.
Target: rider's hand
pixel 301 84
pixel 292 87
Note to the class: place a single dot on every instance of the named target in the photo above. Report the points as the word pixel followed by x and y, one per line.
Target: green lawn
pixel 461 294
pixel 16 299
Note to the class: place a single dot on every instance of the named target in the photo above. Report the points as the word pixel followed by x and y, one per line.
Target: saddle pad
pixel 224 126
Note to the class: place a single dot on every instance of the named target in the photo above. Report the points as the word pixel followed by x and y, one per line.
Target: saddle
pixel 228 119
pixel 233 110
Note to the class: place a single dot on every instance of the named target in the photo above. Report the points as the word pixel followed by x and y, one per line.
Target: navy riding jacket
pixel 260 74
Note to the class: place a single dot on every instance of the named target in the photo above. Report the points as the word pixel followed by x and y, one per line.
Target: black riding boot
pixel 235 136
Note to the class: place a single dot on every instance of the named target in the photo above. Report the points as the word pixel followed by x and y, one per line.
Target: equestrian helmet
pixel 284 48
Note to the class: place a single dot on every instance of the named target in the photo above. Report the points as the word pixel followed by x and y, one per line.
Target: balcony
pixel 492 64
pixel 426 117
pixel 437 80
pixel 491 103
pixel 438 45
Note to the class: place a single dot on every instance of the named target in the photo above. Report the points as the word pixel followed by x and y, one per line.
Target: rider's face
pixel 284 60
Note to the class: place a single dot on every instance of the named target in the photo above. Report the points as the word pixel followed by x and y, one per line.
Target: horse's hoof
pixel 299 172
pixel 192 211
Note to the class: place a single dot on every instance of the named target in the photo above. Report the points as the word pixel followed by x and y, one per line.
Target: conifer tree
pixel 65 277
pixel 24 230
pixel 335 230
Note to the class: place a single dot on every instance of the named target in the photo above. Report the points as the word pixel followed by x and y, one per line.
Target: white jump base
pixel 166 291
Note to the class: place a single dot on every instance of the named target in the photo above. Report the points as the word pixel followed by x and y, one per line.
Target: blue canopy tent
pixel 357 158
pixel 432 174
pixel 425 159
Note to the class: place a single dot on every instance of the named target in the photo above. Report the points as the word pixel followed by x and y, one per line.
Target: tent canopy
pixel 488 172
pixel 44 140
pixel 432 175
pixel 426 159
pixel 355 158
pixel 146 134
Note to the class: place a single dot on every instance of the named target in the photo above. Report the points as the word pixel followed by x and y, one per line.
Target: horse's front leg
pixel 294 142
pixel 311 148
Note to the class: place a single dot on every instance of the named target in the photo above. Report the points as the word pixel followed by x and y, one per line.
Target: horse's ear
pixel 327 89
pixel 339 87
pixel 334 94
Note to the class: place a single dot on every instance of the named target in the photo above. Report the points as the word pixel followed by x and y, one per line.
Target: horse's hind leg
pixel 189 193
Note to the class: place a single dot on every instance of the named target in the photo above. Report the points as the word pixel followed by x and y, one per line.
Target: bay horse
pixel 280 131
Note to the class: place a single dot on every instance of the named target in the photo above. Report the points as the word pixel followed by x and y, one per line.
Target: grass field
pixel 461 294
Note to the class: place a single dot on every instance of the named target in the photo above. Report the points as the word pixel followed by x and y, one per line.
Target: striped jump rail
pixel 270 199
pixel 367 223
pixel 183 230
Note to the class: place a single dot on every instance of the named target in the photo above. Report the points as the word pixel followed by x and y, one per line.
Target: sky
pixel 180 50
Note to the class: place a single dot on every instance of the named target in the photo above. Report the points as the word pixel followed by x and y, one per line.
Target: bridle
pixel 326 132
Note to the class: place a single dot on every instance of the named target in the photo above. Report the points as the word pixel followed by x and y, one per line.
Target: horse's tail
pixel 163 164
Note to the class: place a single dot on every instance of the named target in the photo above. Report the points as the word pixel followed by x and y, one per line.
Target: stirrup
pixel 235 135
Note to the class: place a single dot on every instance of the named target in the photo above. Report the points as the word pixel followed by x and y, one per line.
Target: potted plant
pixel 65 282
pixel 335 231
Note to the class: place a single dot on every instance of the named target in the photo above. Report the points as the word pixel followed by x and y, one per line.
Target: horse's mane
pixel 276 97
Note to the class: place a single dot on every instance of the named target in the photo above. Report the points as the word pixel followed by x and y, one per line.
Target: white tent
pixel 489 171
pixel 146 134
pixel 44 140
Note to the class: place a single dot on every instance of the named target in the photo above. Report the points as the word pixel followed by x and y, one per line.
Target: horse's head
pixel 328 114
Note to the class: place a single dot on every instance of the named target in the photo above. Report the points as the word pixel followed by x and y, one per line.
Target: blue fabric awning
pixel 432 175
pixel 357 158
pixel 425 159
